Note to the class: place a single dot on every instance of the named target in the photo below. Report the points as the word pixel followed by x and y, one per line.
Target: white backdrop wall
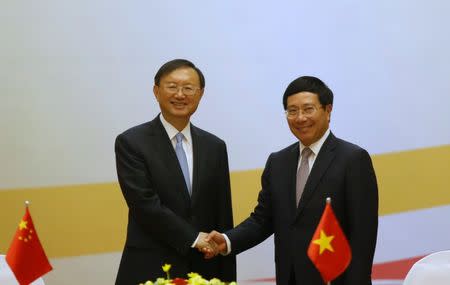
pixel 73 74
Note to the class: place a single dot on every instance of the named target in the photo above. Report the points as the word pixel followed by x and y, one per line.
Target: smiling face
pixel 308 128
pixel 177 107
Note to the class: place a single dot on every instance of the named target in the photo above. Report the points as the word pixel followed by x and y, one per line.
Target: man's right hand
pixel 218 239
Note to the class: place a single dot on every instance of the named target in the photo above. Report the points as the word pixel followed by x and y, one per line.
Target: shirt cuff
pixel 227 240
pixel 195 241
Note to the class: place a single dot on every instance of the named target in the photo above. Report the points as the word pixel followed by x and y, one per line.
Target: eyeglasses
pixel 187 90
pixel 307 111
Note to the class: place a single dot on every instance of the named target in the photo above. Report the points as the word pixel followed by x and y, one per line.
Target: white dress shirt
pixel 187 141
pixel 315 148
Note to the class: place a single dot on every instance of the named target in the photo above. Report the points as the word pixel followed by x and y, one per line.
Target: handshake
pixel 211 244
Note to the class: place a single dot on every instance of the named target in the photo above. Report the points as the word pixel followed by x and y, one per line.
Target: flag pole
pixel 328 202
pixel 27 203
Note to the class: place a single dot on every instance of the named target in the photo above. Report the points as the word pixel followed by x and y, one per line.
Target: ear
pixel 156 92
pixel 201 92
pixel 328 109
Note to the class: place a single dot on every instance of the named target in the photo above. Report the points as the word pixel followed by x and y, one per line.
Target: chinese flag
pixel 25 256
pixel 329 250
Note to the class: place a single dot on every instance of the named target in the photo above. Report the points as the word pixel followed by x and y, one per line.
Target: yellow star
pixel 23 225
pixel 324 242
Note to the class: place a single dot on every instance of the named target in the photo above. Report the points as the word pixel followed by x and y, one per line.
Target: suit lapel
pixel 198 158
pixel 321 164
pixel 164 149
pixel 292 165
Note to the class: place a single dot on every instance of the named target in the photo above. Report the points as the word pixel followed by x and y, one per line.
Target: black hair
pixel 309 84
pixel 170 66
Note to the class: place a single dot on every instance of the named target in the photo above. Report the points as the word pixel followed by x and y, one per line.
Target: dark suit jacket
pixel 342 171
pixel 163 220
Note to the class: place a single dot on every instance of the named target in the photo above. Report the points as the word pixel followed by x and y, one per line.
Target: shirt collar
pixel 172 131
pixel 315 147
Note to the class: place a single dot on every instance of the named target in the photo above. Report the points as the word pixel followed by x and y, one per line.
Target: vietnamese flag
pixel 329 250
pixel 25 256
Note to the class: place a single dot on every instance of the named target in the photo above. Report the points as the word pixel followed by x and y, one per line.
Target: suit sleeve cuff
pixel 227 240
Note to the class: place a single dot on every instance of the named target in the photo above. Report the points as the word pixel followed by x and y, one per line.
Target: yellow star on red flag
pixel 324 242
pixel 23 225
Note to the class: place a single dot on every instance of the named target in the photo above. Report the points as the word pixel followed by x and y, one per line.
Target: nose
pixel 301 117
pixel 179 92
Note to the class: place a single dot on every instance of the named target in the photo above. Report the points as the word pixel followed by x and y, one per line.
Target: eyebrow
pixel 185 84
pixel 302 106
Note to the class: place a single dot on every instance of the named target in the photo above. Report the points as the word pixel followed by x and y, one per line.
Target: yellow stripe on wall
pixel 69 220
pixel 408 180
pixel 413 180
pixel 89 219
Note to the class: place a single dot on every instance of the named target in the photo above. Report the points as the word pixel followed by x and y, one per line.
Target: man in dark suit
pixel 175 180
pixel 290 206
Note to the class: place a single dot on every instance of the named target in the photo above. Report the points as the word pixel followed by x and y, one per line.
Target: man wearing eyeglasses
pixel 175 180
pixel 295 184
